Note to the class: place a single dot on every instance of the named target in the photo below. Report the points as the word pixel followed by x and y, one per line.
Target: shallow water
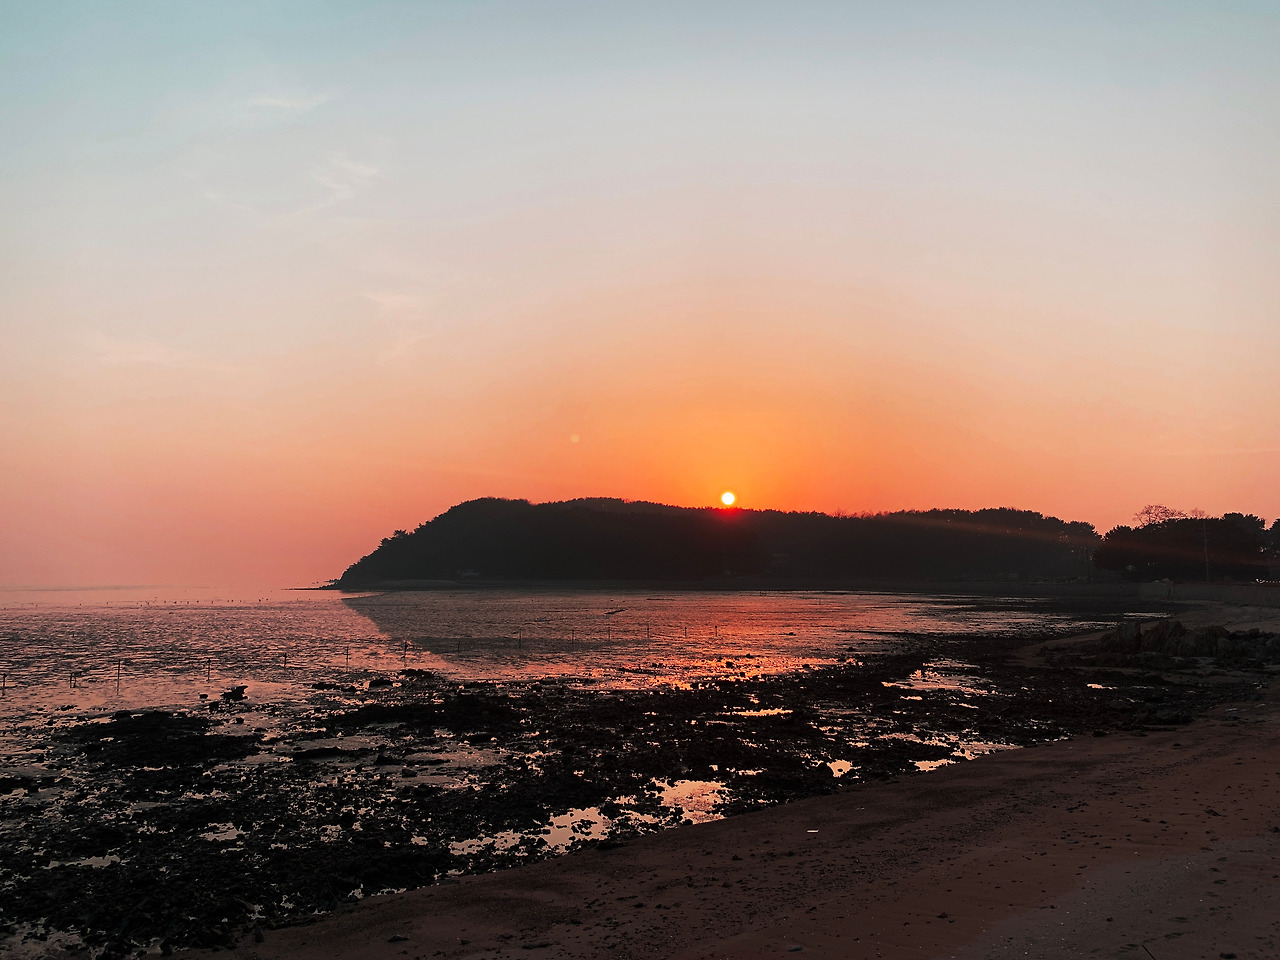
pixel 147 648
pixel 365 756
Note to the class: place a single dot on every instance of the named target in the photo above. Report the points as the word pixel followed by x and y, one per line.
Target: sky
pixel 279 278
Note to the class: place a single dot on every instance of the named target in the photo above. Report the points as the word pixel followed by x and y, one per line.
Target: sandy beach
pixel 1159 843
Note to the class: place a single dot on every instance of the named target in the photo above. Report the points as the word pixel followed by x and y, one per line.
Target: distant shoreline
pixel 1260 594
pixel 781 584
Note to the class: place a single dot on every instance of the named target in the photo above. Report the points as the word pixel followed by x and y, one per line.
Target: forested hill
pixel 601 539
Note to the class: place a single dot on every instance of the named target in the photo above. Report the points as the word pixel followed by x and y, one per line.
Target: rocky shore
pixel 160 831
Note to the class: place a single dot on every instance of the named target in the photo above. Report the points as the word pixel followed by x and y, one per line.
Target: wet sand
pixel 1160 843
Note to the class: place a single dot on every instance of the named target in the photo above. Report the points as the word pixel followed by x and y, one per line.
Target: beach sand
pixel 1162 844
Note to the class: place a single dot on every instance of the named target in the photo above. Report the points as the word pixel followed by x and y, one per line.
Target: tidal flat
pixel 158 829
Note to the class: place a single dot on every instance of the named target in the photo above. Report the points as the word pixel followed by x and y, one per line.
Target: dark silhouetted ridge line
pixel 618 540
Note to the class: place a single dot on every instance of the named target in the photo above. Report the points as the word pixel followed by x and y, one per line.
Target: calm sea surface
pixel 336 774
pixel 147 648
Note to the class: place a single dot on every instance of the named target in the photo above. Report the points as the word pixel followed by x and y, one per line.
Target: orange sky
pixel 265 297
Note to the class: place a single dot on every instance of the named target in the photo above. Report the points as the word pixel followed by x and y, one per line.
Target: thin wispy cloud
pixel 333 182
pixel 220 198
pixel 290 104
pixel 394 302
pixel 113 352
pixel 124 353
pixel 403 348
pixel 345 179
pixel 400 310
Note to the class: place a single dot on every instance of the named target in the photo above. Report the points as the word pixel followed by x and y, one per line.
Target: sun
pixel 727 498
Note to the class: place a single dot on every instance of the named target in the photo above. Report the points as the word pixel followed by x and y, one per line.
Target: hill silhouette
pixel 605 539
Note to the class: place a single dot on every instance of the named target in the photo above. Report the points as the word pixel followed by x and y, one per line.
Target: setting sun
pixel 727 498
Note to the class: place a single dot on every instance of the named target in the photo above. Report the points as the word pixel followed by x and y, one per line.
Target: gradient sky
pixel 278 278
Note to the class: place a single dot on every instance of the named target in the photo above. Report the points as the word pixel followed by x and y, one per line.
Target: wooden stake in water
pixel 119 668
pixel 4 685
pixel 348 653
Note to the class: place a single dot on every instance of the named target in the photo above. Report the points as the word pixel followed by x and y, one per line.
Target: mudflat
pixel 1156 843
pixel 200 824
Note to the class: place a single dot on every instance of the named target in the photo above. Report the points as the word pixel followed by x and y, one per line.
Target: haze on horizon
pixel 278 279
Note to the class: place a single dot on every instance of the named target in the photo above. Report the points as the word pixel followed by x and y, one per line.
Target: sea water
pixel 148 648
pixel 324 676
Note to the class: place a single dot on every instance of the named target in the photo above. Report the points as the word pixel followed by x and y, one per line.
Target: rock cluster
pixel 162 830
pixel 1170 638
